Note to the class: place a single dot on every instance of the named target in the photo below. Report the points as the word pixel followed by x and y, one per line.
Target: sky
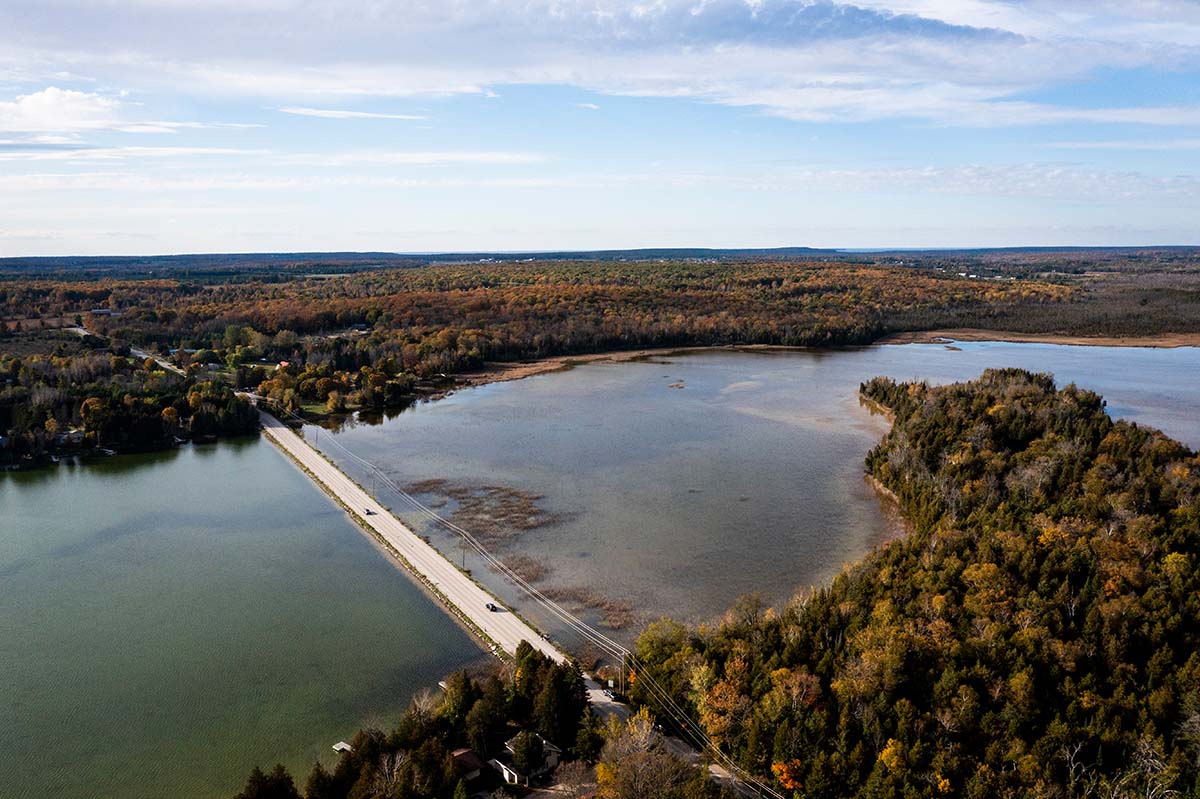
pixel 169 126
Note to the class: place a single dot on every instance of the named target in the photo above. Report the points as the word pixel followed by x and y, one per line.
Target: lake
pixel 673 485
pixel 169 621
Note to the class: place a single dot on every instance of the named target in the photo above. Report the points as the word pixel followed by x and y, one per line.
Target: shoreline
pixel 950 335
pixel 459 594
pixel 503 372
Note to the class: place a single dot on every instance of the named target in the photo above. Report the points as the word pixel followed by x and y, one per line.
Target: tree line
pixel 57 405
pixel 531 700
pixel 369 340
pixel 1037 633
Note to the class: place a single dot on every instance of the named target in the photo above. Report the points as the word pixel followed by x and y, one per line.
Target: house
pixel 342 746
pixel 503 762
pixel 467 764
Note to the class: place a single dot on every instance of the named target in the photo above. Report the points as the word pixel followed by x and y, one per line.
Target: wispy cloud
pixel 337 113
pixel 66 111
pixel 173 126
pixel 79 78
pixel 953 62
pixel 1131 144
pixel 22 151
pixel 411 158
pixel 1033 180
pixel 247 181
pixel 1054 181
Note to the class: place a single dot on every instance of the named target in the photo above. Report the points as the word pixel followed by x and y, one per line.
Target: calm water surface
pixel 169 621
pixel 689 480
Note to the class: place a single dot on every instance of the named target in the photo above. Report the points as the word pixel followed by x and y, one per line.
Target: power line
pixel 606 644
pixel 683 720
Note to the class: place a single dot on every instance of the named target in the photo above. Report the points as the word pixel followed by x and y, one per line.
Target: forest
pixel 51 406
pixel 375 338
pixel 1035 635
pixel 515 713
pixel 342 332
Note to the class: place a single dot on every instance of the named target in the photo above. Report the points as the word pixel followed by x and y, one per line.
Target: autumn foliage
pixel 1037 634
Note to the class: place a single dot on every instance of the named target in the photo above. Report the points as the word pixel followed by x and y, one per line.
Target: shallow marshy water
pixel 169 621
pixel 677 484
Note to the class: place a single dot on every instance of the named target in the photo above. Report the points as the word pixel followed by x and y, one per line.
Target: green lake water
pixel 169 621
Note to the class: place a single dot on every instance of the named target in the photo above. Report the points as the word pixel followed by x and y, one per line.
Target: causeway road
pixel 454 588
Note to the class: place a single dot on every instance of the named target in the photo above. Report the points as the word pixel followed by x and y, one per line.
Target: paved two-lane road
pixel 454 587
pixel 135 352
pixel 163 362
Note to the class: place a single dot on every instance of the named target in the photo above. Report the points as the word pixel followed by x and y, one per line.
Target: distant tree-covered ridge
pixel 366 340
pixel 323 339
pixel 1036 634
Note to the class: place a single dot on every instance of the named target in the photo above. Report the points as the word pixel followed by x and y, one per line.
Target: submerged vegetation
pixel 1037 632
pixel 1035 635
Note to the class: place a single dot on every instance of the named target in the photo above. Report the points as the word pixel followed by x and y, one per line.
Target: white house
pixel 503 762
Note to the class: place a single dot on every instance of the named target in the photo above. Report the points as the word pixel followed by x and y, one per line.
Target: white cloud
pixel 55 109
pixel 1056 181
pixel 413 158
pixel 171 126
pixel 1033 180
pixel 52 112
pixel 335 113
pixel 1131 144
pixel 19 151
pixel 90 73
pixel 949 61
pixel 246 181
